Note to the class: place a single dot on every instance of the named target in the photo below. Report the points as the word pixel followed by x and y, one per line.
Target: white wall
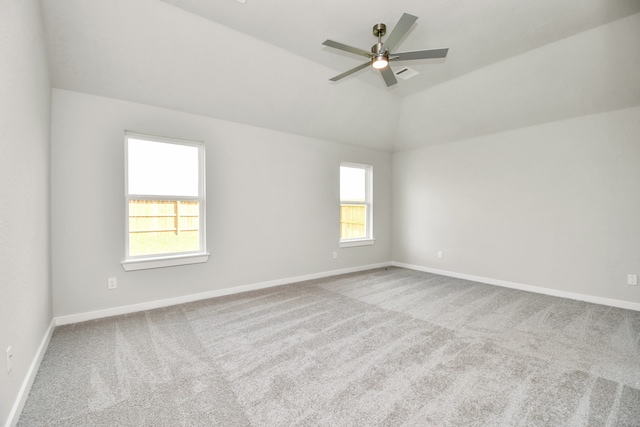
pixel 25 288
pixel 554 206
pixel 272 204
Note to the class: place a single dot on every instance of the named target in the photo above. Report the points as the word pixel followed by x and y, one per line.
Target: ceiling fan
pixel 381 54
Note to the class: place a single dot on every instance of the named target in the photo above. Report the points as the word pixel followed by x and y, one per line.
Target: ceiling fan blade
pixel 420 54
pixel 388 76
pixel 347 48
pixel 351 71
pixel 399 31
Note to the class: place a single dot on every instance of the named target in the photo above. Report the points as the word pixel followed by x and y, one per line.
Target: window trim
pixel 143 262
pixel 368 203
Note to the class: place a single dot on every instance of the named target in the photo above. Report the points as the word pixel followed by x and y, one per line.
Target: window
pixel 356 209
pixel 165 203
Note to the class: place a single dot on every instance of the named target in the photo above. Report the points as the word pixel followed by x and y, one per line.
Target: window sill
pixel 359 242
pixel 165 261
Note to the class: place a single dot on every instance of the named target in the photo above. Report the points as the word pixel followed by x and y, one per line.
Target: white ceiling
pixel 262 63
pixel 478 32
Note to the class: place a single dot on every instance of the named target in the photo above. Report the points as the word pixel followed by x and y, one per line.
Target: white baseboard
pixel 16 410
pixel 536 289
pixel 82 317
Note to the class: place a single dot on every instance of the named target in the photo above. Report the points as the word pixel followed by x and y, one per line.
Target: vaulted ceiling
pixel 262 62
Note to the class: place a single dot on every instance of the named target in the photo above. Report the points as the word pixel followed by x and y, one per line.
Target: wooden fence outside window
pixel 352 221
pixel 163 226
pixel 160 216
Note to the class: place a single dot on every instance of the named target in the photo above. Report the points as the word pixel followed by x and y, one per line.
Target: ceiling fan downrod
pixel 380 57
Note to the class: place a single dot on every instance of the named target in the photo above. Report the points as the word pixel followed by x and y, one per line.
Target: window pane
pixel 352 184
pixel 352 221
pixel 162 227
pixel 157 168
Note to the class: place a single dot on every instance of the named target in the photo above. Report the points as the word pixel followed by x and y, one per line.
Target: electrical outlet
pixel 9 359
pixel 112 283
pixel 632 279
pixel 335 255
pixel 440 254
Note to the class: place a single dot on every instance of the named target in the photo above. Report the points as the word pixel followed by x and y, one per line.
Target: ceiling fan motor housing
pixel 378 49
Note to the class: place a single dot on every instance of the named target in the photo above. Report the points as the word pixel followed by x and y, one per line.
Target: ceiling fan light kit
pixel 381 55
pixel 380 62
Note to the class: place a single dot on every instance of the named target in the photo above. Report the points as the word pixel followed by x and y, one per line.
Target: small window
pixel 356 209
pixel 165 202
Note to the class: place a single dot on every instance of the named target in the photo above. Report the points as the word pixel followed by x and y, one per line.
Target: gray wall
pixel 25 304
pixel 272 204
pixel 554 206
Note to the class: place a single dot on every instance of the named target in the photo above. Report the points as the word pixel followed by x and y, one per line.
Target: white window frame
pixel 368 203
pixel 143 262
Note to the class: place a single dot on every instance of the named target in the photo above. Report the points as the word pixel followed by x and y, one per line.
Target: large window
pixel 356 209
pixel 165 202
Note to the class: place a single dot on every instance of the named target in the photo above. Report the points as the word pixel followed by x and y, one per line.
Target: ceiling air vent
pixel 406 73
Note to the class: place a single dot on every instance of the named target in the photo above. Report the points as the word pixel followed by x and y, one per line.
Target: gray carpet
pixel 383 347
